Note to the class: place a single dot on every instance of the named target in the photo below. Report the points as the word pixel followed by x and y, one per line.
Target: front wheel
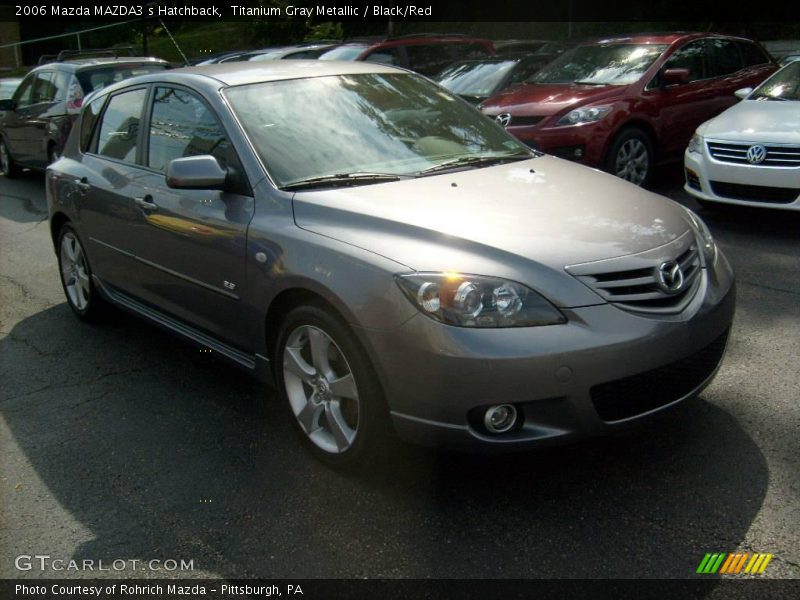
pixel 631 157
pixel 7 165
pixel 326 378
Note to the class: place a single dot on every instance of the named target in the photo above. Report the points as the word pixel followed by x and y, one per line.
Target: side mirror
pixel 674 76
pixel 743 93
pixel 196 173
pixel 8 104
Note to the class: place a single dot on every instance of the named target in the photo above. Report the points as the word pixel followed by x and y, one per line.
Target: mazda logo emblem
pixel 670 277
pixel 504 119
pixel 756 154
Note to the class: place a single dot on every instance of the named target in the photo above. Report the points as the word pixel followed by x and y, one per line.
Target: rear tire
pixel 631 157
pixel 327 380
pixel 76 275
pixel 53 154
pixel 8 167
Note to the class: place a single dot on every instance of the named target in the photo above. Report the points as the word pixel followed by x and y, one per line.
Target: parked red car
pixel 424 53
pixel 624 103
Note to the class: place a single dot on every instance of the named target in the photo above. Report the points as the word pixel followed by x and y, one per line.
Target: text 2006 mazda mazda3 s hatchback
pixel 386 254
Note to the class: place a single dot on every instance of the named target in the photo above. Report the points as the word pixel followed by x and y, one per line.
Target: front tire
pixel 8 167
pixel 76 275
pixel 631 157
pixel 327 380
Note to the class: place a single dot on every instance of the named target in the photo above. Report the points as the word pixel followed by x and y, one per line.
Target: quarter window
pixel 119 129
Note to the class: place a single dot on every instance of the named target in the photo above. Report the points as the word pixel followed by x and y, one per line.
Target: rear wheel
pixel 76 275
pixel 53 154
pixel 326 379
pixel 631 157
pixel 7 165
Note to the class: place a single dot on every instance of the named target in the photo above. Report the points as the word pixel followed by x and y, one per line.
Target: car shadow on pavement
pixel 23 199
pixel 160 451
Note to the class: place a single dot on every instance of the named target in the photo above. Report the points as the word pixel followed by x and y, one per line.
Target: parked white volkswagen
pixel 750 154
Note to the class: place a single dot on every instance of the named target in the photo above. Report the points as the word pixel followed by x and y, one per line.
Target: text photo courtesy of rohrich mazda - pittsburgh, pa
pixel 398 301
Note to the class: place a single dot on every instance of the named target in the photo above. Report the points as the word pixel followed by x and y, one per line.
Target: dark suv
pixel 35 121
pixel 427 54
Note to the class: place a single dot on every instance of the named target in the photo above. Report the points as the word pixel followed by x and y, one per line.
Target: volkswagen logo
pixel 670 277
pixel 504 119
pixel 756 154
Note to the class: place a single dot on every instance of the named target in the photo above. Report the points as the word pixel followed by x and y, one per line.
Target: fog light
pixel 578 153
pixel 500 418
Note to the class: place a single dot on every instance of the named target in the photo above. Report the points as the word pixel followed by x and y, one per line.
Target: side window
pixel 119 128
pixel 23 94
pixel 428 59
pixel 752 54
pixel 91 115
pixel 523 71
pixel 725 57
pixel 44 90
pixel 693 57
pixel 384 56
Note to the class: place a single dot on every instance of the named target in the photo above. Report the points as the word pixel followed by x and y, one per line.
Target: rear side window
pixel 44 89
pixel 752 54
pixel 91 115
pixel 119 128
pixel 725 57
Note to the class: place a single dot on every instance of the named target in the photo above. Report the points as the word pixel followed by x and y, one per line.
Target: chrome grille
pixel 638 289
pixel 735 152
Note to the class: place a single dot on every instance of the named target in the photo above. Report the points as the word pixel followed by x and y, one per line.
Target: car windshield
pixel 475 78
pixel 600 64
pixel 346 52
pixel 784 85
pixel 393 124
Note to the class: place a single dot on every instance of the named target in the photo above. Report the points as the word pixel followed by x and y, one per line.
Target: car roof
pixel 83 63
pixel 657 38
pixel 243 73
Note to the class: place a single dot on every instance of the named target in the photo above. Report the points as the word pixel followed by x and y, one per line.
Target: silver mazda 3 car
pixel 386 256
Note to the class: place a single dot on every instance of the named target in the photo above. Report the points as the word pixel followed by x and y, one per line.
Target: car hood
pixel 757 121
pixel 547 99
pixel 545 210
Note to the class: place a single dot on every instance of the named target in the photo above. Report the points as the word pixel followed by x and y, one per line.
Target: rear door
pixel 728 71
pixel 36 118
pixel 14 120
pixel 193 241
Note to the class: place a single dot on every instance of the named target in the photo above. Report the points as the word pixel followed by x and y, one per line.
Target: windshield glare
pixel 603 64
pixel 390 123
pixel 349 52
pixel 784 85
pixel 475 78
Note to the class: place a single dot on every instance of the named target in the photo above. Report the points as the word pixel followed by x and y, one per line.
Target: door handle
pixel 146 203
pixel 82 184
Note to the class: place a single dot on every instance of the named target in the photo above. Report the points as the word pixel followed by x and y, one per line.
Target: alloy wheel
pixel 74 271
pixel 321 389
pixel 632 161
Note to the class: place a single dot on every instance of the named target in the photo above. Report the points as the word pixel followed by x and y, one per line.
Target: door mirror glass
pixel 8 104
pixel 743 93
pixel 675 76
pixel 196 173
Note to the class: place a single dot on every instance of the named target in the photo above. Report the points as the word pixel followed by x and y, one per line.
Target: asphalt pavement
pixel 119 442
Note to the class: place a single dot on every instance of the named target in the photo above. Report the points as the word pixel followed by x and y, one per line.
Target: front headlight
pixel 695 144
pixel 477 301
pixel 584 115
pixel 704 237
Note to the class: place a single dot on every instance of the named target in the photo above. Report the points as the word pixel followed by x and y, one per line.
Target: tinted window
pixel 181 125
pixel 725 57
pixel 119 129
pixel 91 114
pixel 752 54
pixel 23 93
pixel 692 57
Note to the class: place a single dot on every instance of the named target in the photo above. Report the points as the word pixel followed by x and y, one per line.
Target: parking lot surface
pixel 120 442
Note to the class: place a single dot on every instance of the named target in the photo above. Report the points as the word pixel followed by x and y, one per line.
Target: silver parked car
pixel 391 256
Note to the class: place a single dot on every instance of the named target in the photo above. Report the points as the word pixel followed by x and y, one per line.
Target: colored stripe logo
pixel 734 563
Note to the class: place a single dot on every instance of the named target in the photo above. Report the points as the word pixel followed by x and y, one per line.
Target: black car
pixel 477 80
pixel 35 121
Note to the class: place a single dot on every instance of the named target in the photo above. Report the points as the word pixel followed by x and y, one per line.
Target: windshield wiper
pixel 472 161
pixel 342 180
pixel 581 82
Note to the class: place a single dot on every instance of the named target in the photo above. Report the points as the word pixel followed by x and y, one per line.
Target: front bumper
pixel 743 184
pixel 559 377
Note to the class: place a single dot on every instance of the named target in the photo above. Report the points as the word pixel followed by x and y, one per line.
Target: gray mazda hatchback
pixel 386 255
